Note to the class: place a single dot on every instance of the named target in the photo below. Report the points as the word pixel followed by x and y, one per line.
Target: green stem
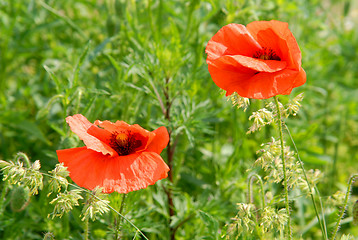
pixel 23 156
pixel 323 222
pixel 324 225
pixel 122 203
pixel 64 102
pixel 284 167
pixel 86 230
pixel 250 199
pixel 350 182
pixel 249 187
pixel 118 221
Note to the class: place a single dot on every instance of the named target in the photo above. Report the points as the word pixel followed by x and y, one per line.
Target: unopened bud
pixel 20 197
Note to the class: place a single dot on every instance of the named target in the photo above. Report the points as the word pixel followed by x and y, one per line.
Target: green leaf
pixel 53 77
pixel 64 18
pixel 210 222
pixel 33 130
pixel 79 64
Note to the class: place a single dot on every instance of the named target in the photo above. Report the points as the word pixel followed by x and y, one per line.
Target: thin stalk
pixel 350 182
pixel 23 156
pixel 86 230
pixel 122 203
pixel 323 222
pixel 284 167
pixel 250 199
pixel 64 103
pixel 118 221
pixel 322 212
pixel 170 155
pixel 249 187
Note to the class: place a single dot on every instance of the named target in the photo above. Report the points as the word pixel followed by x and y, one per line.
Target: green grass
pixel 113 60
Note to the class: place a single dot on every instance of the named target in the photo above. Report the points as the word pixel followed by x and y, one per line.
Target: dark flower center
pixel 266 54
pixel 125 143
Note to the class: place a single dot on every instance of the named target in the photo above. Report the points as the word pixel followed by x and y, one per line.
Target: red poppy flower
pixel 259 61
pixel 117 156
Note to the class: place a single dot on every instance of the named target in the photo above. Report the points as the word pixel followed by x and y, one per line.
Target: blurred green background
pixel 113 60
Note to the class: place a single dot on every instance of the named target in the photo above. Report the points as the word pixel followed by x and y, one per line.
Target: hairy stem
pixel 86 230
pixel 284 167
pixel 322 222
pixel 350 183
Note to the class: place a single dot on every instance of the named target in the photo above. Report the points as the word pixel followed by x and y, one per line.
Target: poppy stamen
pixel 121 139
pixel 124 143
pixel 266 54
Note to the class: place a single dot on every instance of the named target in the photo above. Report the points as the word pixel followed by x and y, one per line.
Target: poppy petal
pixel 79 125
pixel 232 39
pixel 300 79
pixel 266 85
pixel 245 64
pixel 145 169
pixel 100 133
pixel 123 174
pixel 278 36
pixel 112 127
pixel 160 141
pixel 230 81
pixel 259 61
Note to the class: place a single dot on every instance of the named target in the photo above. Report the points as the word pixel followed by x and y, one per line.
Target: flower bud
pixel 20 197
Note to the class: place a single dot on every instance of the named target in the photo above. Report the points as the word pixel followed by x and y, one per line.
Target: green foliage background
pixel 111 60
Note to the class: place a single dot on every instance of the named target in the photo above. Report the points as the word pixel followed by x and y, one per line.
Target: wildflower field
pixel 198 119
